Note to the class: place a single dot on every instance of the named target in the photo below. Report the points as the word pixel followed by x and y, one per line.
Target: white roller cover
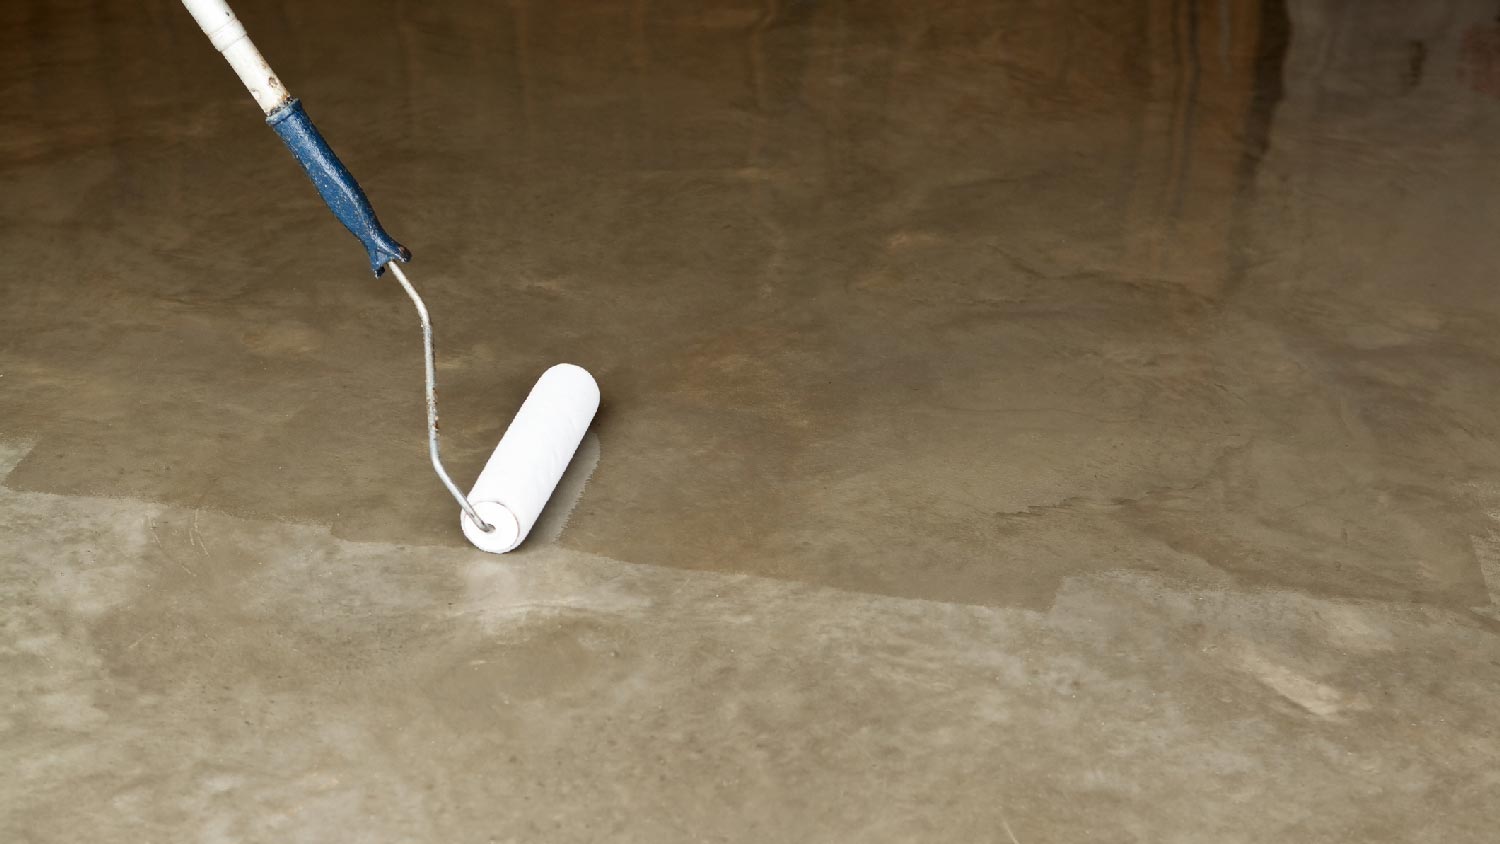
pixel 228 37
pixel 527 464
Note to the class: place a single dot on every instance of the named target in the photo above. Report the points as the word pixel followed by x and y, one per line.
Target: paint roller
pixel 524 469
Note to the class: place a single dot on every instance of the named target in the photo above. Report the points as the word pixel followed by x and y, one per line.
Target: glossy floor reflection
pixel 1022 421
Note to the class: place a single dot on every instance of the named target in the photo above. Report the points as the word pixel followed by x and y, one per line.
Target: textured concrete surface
pixel 1023 422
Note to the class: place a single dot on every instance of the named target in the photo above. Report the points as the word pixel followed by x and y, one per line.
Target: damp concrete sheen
pixel 1022 422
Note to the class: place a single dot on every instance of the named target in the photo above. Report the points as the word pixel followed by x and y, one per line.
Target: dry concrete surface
pixel 1023 421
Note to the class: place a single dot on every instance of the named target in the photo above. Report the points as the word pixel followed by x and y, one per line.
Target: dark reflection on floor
pixel 864 283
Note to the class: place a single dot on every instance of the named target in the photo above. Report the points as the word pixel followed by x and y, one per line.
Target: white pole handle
pixel 228 36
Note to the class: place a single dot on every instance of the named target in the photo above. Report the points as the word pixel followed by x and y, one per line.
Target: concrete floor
pixel 1023 422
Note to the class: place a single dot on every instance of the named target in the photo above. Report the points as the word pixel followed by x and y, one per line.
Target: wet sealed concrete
pixel 1023 422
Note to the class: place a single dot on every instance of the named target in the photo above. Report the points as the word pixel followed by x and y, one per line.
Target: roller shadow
pixel 554 516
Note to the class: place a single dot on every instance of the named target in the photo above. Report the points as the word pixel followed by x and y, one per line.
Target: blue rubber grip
pixel 335 185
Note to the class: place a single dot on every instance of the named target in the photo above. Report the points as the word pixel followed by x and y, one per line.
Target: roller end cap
pixel 507 531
